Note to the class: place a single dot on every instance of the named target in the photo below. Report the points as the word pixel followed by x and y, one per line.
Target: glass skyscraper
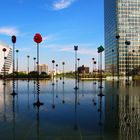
pixel 122 36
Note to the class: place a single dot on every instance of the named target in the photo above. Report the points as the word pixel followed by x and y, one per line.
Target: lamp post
pixel 100 50
pixel 127 43
pixel 56 72
pixel 63 63
pixel 78 59
pixel 118 74
pixel 13 41
pixel 34 63
pixel 28 66
pixel 113 63
pixel 76 49
pixel 95 69
pixel 17 51
pixel 4 74
pixel 38 39
pixel 53 61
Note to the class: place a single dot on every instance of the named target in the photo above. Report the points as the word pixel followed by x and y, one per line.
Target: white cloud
pixel 48 37
pixel 62 4
pixel 9 31
pixel 84 49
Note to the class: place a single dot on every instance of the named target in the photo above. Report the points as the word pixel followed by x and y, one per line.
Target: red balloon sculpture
pixel 37 38
pixel 13 39
pixel 4 49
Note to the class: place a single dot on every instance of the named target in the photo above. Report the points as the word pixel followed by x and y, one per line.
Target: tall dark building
pixel 83 69
pixel 122 35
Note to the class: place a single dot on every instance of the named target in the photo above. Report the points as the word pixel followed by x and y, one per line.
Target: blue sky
pixel 62 24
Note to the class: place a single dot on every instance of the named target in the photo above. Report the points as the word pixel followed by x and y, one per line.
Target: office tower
pixel 122 36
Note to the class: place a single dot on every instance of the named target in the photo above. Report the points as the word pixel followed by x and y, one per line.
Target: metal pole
pixel 13 93
pixel 4 66
pixel 76 48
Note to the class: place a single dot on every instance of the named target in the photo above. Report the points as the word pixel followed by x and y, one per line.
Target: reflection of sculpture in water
pixel 14 117
pixel 56 87
pixel 63 88
pixel 34 90
pixel 94 95
pixel 17 92
pixel 4 102
pixel 28 91
pixel 78 93
pixel 75 113
pixel 82 87
pixel 100 115
pixel 53 103
pixel 38 124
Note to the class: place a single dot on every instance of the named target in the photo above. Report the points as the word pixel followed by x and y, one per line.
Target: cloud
pixel 62 4
pixel 24 49
pixel 88 50
pixel 9 31
pixel 84 51
pixel 49 37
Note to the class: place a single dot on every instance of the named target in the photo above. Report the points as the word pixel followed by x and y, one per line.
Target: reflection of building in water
pixel 111 110
pixel 8 61
pixel 43 68
pixel 122 113
pixel 5 100
pixel 129 117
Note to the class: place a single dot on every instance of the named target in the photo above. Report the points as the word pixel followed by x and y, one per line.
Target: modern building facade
pixel 8 61
pixel 122 35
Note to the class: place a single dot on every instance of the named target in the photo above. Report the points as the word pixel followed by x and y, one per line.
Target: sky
pixel 62 24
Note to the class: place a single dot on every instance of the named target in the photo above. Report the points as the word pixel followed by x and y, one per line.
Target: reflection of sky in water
pixel 82 115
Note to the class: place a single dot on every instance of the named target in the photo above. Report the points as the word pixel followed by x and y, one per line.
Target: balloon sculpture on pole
pixel 13 41
pixel 38 39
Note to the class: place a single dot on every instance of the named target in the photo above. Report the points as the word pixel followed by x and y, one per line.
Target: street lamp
pixel 53 61
pixel 13 41
pixel 100 50
pixel 38 39
pixel 34 63
pixel 28 65
pixel 78 70
pixel 4 74
pixel 76 49
pixel 63 63
pixel 127 43
pixel 17 51
pixel 118 37
pixel 56 72
pixel 95 69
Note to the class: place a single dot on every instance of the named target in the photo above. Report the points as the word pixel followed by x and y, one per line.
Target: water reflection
pixel 63 91
pixel 113 116
pixel 4 102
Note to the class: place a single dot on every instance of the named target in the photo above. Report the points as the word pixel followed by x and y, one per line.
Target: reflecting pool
pixel 69 114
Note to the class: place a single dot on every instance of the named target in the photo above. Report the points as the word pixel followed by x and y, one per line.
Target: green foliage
pixel 32 74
